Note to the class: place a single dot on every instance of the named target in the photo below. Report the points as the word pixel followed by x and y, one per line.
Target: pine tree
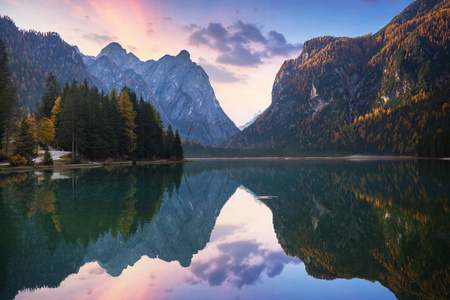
pixel 113 123
pixel 169 142
pixel 50 96
pixel 71 129
pixel 48 160
pixel 178 147
pixel 24 142
pixel 148 130
pixel 9 99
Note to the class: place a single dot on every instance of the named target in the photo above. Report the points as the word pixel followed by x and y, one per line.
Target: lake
pixel 262 229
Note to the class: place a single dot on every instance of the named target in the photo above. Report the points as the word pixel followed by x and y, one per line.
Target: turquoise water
pixel 228 230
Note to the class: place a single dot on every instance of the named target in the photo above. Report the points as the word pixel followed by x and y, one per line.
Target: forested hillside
pixel 385 93
pixel 33 54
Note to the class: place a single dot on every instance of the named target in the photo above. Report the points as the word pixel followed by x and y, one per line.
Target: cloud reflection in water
pixel 239 259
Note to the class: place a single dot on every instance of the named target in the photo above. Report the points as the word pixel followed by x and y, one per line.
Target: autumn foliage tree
pixel 128 137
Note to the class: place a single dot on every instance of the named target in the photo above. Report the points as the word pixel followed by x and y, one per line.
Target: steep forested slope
pixel 382 93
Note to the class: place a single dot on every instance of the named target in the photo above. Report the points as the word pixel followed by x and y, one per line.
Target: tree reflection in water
pixel 385 221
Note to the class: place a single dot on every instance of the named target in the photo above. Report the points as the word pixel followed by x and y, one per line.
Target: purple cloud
pixel 237 43
pixel 241 56
pixel 233 264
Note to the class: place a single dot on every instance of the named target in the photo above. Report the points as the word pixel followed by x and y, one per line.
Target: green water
pixel 220 230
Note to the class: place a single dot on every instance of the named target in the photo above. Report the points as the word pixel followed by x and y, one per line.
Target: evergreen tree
pixel 113 123
pixel 169 140
pixel 9 99
pixel 148 131
pixel 48 160
pixel 24 141
pixel 50 96
pixel 178 147
pixel 71 132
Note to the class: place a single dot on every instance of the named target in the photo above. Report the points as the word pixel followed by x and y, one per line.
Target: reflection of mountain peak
pixel 343 219
pixel 182 227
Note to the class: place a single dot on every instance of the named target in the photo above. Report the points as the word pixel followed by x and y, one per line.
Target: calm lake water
pixel 228 230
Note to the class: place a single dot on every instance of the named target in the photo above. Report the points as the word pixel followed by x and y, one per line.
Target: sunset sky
pixel 240 44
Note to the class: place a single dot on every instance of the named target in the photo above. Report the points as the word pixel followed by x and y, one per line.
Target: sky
pixel 240 44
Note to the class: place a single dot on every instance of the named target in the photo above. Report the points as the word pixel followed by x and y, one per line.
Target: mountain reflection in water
pixel 228 229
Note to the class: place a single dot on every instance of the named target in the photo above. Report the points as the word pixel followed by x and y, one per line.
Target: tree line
pixel 82 119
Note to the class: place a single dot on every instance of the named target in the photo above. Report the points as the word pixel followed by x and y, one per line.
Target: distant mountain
pixel 177 87
pixel 382 93
pixel 33 54
pixel 255 116
pixel 110 66
pixel 182 89
pixel 186 96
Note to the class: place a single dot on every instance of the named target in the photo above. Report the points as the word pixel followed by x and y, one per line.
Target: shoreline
pixel 7 169
pixel 351 158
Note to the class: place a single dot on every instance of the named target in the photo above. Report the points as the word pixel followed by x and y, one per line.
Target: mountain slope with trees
pixel 189 106
pixel 175 85
pixel 385 93
pixel 34 54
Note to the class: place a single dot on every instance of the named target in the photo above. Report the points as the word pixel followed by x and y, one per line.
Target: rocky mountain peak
pixel 184 55
pixel 112 48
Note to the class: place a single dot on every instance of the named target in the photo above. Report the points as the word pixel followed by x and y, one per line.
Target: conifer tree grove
pixel 98 126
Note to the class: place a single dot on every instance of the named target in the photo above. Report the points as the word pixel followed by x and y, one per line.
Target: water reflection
pixel 223 229
pixel 380 221
pixel 49 227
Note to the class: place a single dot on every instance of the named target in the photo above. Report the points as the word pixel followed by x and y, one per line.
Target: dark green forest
pixel 98 126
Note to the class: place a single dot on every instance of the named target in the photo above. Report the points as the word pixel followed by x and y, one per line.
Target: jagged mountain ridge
pixel 349 94
pixel 113 76
pixel 184 95
pixel 192 101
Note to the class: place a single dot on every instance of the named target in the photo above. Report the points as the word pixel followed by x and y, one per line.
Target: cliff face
pixel 188 100
pixel 325 97
pixel 176 86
